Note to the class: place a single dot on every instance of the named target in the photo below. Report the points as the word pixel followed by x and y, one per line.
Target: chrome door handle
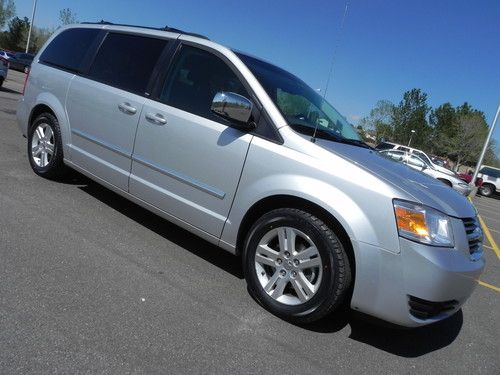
pixel 156 118
pixel 127 108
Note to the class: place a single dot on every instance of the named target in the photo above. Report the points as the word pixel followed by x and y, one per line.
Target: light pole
pixel 412 132
pixel 31 25
pixel 483 152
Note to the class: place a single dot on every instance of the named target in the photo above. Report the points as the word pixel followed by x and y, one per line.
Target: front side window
pixel 194 79
pixel 416 161
pixel 303 108
pixel 422 156
pixel 126 61
pixel 68 49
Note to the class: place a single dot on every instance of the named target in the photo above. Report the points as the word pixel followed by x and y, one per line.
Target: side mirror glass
pixel 233 107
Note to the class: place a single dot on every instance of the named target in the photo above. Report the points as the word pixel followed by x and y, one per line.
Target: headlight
pixel 423 224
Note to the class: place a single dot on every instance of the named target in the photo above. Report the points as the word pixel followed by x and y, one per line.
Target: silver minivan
pixel 247 156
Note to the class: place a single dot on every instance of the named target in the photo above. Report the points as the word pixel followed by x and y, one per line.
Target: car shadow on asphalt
pixel 160 226
pixel 398 341
pixel 393 339
pixel 5 89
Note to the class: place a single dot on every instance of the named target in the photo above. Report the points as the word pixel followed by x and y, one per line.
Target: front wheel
pixel 486 190
pixel 296 266
pixel 45 151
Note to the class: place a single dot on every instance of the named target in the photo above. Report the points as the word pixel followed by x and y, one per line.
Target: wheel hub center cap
pixel 288 265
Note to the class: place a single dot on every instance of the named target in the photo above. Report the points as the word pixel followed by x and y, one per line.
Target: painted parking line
pixel 493 287
pixel 489 218
pixel 490 238
pixel 489 212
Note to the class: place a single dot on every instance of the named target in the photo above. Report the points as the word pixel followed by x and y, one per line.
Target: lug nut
pixel 287 254
pixel 294 274
pixel 282 272
pixel 279 261
pixel 296 262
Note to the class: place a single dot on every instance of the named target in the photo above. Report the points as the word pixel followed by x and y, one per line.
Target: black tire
pixel 55 168
pixel 486 190
pixel 336 272
pixel 1 81
pixel 26 69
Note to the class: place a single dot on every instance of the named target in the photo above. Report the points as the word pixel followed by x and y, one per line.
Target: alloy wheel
pixel 288 265
pixel 42 145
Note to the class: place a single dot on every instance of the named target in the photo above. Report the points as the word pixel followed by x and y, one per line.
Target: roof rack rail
pixel 166 28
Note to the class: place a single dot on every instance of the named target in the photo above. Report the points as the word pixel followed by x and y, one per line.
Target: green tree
pixel 39 36
pixel 16 35
pixel 7 11
pixel 380 120
pixel 443 121
pixel 465 145
pixel 411 114
pixel 67 17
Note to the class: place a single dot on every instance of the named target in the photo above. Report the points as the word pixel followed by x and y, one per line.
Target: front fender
pixel 359 201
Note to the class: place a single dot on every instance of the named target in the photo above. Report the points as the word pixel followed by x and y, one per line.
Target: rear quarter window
pixel 68 49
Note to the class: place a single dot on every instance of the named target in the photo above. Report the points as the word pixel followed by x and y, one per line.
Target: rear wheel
pixel 1 81
pixel 295 265
pixel 45 152
pixel 487 190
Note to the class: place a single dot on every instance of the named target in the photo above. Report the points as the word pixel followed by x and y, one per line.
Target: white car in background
pixel 422 155
pixel 491 180
pixel 415 162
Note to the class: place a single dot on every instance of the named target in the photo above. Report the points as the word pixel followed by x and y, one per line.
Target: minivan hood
pixel 420 187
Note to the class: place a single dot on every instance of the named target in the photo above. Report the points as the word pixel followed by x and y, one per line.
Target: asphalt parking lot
pixel 91 283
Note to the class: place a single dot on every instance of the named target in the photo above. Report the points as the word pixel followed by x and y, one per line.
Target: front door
pixel 186 160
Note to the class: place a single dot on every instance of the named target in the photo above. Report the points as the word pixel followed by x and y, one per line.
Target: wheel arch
pixel 445 181
pixel 38 110
pixel 47 102
pixel 289 201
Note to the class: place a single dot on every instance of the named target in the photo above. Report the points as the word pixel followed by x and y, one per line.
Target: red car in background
pixel 467 177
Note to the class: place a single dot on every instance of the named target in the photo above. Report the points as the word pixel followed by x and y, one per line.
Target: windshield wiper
pixel 356 142
pixel 323 134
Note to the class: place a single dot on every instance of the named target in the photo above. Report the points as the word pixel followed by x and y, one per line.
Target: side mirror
pixel 233 107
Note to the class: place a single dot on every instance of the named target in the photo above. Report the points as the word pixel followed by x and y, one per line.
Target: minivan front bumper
pixel 417 286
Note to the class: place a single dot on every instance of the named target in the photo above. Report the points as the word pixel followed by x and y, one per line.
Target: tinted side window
pixel 68 49
pixel 490 172
pixel 127 61
pixel 194 79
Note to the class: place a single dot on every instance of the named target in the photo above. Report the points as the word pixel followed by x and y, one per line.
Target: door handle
pixel 127 108
pixel 156 118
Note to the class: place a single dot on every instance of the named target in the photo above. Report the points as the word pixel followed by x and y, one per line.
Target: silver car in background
pixel 415 162
pixel 247 156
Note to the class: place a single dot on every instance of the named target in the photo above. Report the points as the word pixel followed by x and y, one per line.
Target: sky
pixel 448 48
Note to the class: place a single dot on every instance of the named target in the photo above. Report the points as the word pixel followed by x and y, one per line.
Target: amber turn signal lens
pixel 411 222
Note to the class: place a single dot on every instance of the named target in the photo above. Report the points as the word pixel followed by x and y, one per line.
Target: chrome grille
pixel 474 237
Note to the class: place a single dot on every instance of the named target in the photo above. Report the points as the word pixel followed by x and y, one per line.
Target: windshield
pixel 302 107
